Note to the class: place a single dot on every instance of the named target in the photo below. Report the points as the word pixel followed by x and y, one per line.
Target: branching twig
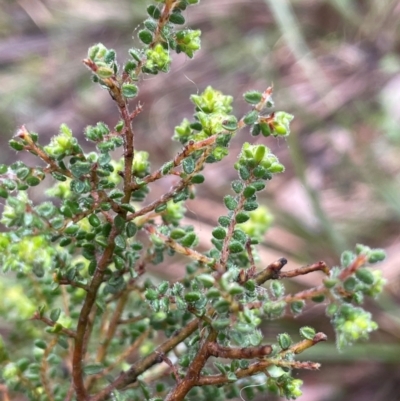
pixel 44 366
pixel 78 355
pixel 260 366
pixel 131 349
pixel 51 323
pixel 189 148
pixel 145 363
pixel 358 262
pixel 194 255
pixel 179 392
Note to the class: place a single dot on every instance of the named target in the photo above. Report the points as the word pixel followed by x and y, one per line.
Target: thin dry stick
pixel 51 323
pixel 130 350
pixel 44 367
pixel 194 255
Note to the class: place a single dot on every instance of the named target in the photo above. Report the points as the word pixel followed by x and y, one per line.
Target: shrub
pixel 89 321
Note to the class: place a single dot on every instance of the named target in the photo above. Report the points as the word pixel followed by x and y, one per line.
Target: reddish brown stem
pixel 305 270
pixel 272 271
pixel 238 353
pixel 358 262
pixel 192 377
pixel 83 321
pixel 176 189
pixel 147 362
pixel 191 147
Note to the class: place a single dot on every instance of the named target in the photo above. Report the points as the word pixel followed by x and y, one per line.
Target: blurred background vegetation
pixel 334 64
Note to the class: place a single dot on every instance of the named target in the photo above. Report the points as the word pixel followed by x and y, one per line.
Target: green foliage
pixel 87 307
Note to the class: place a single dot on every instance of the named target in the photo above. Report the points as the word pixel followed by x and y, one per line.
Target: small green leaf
pixel 307 332
pixel 275 371
pixel 255 130
pixel 129 90
pixel 102 241
pixel 120 242
pixel 198 179
pixel 166 168
pixel 32 181
pixel 251 117
pixel 23 172
pixel 71 229
pixel 119 262
pixel 206 279
pixel 237 186
pixel 224 221
pixel 145 36
pixel 284 341
pixel 93 369
pixel 65 241
pixel 177 233
pixel 40 344
pixel 18 146
pixel 213 293
pixel 115 194
pixel 129 67
pixel 242 217
pixel 250 285
pixel 236 247
pixel 260 153
pixel 249 191
pixel 230 124
pixel 277 289
pixel 62 341
pixel 330 282
pixel 119 222
pixel 66 211
pixel 92 267
pixel 189 239
pixel 177 18
pixel 188 165
pixel 154 11
pixel 235 289
pixel 193 296
pixel 318 298
pixel 163 287
pixel 219 233
pixel 365 275
pixel 265 129
pixel 151 294
pixel 376 255
pixel 161 208
pixel 150 24
pixel 297 306
pixel 222 306
pixel 230 202
pixel 252 97
pixel 244 173
pixel 135 54
pixel 350 284
pixel 131 229
pixel 104 72
pixel 220 324
pixel 55 314
pixel 94 220
pixel 128 207
pixel 3 192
